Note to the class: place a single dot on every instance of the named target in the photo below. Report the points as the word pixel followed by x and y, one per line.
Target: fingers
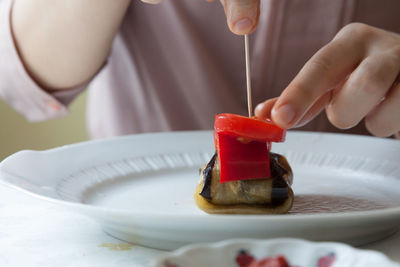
pixel 263 110
pixel 351 77
pixel 323 72
pixel 241 15
pixel 363 91
pixel 384 120
pixel 316 108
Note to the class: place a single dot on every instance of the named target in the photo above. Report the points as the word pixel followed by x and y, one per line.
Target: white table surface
pixel 36 233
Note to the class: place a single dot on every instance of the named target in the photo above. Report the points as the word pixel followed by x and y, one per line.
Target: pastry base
pixel 208 207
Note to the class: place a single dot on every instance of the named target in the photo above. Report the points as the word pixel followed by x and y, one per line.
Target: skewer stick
pixel 248 77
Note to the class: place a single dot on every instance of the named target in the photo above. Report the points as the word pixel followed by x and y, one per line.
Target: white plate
pixel 296 252
pixel 140 188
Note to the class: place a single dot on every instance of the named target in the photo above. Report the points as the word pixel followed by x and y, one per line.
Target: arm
pixel 63 43
pixel 355 76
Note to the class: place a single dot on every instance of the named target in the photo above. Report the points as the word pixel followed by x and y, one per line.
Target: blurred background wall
pixel 18 134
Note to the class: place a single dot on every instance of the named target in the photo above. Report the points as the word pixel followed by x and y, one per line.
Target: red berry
pixel 278 261
pixel 326 261
pixel 244 258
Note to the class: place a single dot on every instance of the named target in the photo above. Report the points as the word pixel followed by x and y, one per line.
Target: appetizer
pixel 244 176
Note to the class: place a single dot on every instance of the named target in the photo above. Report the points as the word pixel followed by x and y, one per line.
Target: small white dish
pixel 299 253
pixel 140 188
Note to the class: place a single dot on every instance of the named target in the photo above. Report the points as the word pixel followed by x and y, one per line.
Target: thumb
pixel 242 15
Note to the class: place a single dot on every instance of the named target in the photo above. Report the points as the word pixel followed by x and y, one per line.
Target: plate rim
pixel 180 252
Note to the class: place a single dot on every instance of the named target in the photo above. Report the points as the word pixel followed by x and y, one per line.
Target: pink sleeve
pixel 17 88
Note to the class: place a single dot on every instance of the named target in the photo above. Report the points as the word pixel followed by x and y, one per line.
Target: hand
pixel 355 76
pixel 241 15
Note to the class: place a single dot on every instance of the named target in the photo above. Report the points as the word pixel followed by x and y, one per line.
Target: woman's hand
pixel 355 76
pixel 241 15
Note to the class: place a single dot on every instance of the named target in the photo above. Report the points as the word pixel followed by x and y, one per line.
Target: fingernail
pixel 152 1
pixel 259 107
pixel 284 114
pixel 242 26
pixel 302 122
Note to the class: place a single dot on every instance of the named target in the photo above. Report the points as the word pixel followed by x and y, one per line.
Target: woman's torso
pixel 175 65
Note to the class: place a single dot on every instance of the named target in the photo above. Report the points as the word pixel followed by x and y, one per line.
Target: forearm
pixel 63 43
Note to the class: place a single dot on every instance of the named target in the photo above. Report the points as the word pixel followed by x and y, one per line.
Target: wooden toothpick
pixel 248 77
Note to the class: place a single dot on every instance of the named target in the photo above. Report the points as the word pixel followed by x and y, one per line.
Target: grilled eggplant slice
pixel 272 195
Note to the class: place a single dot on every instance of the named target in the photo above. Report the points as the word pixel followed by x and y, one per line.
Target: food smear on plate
pixel 244 176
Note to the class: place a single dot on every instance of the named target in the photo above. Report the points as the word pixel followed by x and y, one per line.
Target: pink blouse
pixel 173 66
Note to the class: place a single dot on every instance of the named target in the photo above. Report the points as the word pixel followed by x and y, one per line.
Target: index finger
pixel 323 72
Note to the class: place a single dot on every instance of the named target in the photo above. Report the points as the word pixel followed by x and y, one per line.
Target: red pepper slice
pixel 252 128
pixel 242 160
pixel 243 146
